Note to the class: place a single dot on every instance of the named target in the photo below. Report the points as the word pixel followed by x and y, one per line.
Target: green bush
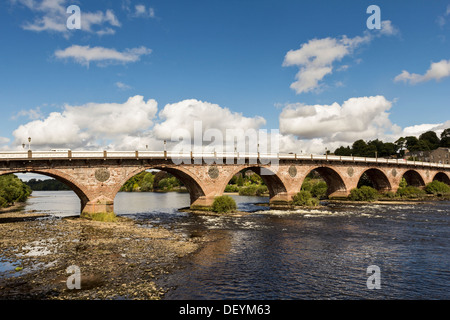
pixel 168 184
pixel 253 190
pixel 389 194
pixel 437 188
pixel 318 188
pixel 410 192
pixel 365 193
pixel 403 183
pixel 304 198
pixel 231 188
pixel 224 204
pixel 140 182
pixel 147 182
pixel 3 202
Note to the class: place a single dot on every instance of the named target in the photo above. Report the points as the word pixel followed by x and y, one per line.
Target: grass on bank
pixel 100 216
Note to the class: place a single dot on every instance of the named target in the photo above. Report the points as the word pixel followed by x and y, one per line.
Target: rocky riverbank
pixel 118 260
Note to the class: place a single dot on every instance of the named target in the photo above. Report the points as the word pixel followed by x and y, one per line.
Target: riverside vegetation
pixel 12 191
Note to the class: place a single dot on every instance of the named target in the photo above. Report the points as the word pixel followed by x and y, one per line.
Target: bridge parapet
pixel 208 157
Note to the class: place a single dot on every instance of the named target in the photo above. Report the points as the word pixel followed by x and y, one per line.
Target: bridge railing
pixel 40 155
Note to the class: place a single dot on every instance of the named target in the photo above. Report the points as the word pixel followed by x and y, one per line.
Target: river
pixel 305 254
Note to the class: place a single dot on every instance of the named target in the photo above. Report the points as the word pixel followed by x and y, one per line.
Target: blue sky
pixel 221 58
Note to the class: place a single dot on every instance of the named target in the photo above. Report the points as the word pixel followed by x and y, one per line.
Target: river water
pixel 304 254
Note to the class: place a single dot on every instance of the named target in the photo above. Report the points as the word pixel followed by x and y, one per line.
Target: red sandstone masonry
pixel 97 181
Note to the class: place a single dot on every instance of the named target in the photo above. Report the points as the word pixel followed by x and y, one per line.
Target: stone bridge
pixel 97 176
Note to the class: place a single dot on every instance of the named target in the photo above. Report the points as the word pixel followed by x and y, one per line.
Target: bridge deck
pixel 66 155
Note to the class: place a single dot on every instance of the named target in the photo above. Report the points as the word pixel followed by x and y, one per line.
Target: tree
pixel 445 138
pixel 12 190
pixel 147 182
pixel 400 146
pixel 343 151
pixel 431 139
pixel 359 148
pixel 411 143
pixel 389 149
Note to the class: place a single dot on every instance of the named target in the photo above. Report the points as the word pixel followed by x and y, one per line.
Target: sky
pixel 310 72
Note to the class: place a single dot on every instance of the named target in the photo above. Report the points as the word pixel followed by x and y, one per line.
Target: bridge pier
pixel 202 203
pixel 281 200
pixel 100 205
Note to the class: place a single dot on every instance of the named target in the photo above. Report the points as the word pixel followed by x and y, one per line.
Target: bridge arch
pixel 442 177
pixel 79 189
pixel 413 178
pixel 189 180
pixel 273 182
pixel 334 181
pixel 378 178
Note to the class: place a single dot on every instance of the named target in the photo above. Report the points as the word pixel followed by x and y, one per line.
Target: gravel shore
pixel 117 260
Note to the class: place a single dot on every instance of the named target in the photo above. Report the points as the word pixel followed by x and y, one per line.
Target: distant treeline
pixel 12 190
pixel 46 185
pixel 426 141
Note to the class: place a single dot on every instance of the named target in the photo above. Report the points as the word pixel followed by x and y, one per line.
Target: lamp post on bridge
pixel 29 143
pixel 165 150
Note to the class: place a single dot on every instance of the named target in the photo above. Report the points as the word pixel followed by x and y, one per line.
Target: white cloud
pixel 138 11
pixel 89 19
pixel 315 58
pixel 136 123
pixel 90 125
pixel 141 11
pixel 356 118
pixel 52 17
pixel 183 114
pixel 122 86
pixel 103 56
pixel 417 130
pixel 437 71
pixel 388 29
pixel 442 20
pixel 3 140
pixel 312 128
pixel 32 114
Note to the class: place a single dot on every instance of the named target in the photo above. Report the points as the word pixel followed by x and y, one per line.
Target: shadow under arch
pixel 378 178
pixel 193 187
pixel 61 177
pixel 334 181
pixel 413 178
pixel 442 177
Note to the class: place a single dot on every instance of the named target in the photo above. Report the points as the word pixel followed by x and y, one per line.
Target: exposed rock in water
pixel 118 260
